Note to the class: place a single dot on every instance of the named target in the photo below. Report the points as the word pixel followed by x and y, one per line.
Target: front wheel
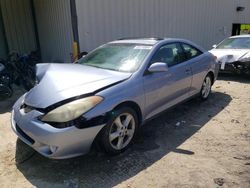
pixel 120 131
pixel 206 88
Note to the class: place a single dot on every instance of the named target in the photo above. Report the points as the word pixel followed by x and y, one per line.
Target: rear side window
pixel 190 51
pixel 170 54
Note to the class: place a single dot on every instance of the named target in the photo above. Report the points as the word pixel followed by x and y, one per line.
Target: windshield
pixel 117 57
pixel 235 43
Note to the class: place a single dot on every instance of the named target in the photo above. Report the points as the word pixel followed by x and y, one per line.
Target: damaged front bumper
pixel 49 141
pixel 237 67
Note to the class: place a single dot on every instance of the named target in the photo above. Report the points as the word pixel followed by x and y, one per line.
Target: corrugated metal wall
pixel 205 22
pixel 242 17
pixel 18 24
pixel 54 29
pixel 3 46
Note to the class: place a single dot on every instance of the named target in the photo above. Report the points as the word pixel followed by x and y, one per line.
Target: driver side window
pixel 190 51
pixel 171 54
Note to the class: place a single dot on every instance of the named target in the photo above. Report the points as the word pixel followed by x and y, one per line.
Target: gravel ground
pixel 193 145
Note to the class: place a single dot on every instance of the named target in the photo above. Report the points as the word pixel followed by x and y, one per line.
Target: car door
pixel 199 64
pixel 165 89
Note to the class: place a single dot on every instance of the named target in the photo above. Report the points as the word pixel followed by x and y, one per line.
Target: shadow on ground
pixel 234 77
pixel 157 138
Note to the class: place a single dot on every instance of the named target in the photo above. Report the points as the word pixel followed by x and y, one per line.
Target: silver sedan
pixel 109 94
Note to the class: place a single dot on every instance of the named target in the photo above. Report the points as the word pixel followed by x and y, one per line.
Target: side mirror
pixel 82 54
pixel 214 46
pixel 158 67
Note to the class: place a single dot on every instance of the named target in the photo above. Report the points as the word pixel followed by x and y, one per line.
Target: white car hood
pixel 229 55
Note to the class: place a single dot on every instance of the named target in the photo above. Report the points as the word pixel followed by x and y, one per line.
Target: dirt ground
pixel 193 145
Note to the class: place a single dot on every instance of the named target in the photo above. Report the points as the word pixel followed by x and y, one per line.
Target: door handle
pixel 188 70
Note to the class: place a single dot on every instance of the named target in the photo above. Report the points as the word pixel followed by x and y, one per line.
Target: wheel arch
pixel 132 105
pixel 211 74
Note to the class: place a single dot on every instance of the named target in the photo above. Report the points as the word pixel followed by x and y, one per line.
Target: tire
pixel 117 135
pixel 206 88
pixel 5 79
pixel 5 92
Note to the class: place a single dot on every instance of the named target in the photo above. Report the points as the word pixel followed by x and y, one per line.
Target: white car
pixel 233 54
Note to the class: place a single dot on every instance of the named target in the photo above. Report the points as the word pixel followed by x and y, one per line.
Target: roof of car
pixel 153 41
pixel 146 41
pixel 240 36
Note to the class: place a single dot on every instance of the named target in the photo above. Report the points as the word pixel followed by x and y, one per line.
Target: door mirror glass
pixel 158 67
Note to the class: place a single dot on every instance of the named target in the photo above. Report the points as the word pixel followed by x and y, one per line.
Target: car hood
pixel 229 55
pixel 58 82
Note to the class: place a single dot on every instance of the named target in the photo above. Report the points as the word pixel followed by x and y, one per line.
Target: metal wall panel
pixel 54 29
pixel 205 22
pixel 3 45
pixel 18 25
pixel 243 17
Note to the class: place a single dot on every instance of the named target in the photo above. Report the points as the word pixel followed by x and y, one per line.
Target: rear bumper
pixel 49 141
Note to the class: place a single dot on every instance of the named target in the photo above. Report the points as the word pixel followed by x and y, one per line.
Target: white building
pixel 53 25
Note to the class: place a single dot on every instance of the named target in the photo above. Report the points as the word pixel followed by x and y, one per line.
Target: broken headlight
pixel 71 110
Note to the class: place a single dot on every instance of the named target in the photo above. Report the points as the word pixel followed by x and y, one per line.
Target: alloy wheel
pixel 206 87
pixel 122 131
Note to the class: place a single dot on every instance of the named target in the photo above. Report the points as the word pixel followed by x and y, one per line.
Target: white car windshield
pixel 235 43
pixel 117 57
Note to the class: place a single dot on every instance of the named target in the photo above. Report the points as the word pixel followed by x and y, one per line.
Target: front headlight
pixel 245 58
pixel 72 110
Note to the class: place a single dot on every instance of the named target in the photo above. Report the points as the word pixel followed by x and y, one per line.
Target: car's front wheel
pixel 206 87
pixel 120 131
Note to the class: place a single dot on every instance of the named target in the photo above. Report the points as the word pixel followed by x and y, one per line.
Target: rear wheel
pixel 206 87
pixel 120 131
